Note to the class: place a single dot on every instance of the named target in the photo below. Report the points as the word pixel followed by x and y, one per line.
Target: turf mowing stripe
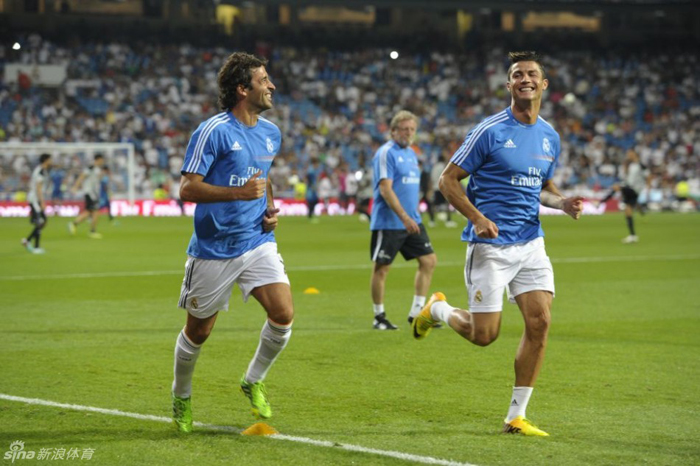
pixel 289 438
pixel 322 268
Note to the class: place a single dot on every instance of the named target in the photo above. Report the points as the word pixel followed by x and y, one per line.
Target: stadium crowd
pixel 334 107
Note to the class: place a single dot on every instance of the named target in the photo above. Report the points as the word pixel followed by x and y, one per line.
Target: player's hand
pixel 254 188
pixel 485 228
pixel 573 206
pixel 270 220
pixel 411 226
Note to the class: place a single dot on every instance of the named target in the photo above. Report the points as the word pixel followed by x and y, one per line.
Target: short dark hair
pixel 237 71
pixel 99 156
pixel 515 57
pixel 44 157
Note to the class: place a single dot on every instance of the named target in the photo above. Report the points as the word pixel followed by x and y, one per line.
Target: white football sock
pixel 441 311
pixel 518 403
pixel 273 338
pixel 186 354
pixel 417 306
pixel 378 309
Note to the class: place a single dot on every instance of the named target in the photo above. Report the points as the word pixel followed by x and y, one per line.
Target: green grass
pixel 619 384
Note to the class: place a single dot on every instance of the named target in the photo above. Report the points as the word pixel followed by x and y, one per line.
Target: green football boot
pixel 182 414
pixel 257 395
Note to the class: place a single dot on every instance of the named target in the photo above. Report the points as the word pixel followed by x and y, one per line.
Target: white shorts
pixel 518 268
pixel 207 285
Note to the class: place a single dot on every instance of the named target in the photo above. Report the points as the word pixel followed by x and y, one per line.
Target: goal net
pixel 18 160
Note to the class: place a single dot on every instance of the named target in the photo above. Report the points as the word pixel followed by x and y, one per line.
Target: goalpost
pixel 18 158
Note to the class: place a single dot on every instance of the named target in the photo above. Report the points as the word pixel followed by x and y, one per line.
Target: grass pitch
pixel 93 323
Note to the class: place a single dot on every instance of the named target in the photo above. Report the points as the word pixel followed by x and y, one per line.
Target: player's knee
pixel 282 316
pixel 429 262
pixel 538 324
pixel 198 335
pixel 484 337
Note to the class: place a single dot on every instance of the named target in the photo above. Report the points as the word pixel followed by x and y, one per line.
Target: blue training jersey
pixel 227 153
pixel 400 165
pixel 509 161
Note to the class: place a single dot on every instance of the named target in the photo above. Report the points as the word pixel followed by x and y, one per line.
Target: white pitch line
pixel 235 430
pixel 323 268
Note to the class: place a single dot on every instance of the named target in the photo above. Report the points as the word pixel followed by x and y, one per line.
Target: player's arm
pixel 551 197
pixel 451 188
pixel 78 183
pixel 194 189
pixel 40 194
pixel 270 220
pixel 387 191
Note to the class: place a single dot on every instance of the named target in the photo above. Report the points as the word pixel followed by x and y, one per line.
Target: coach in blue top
pixel 225 172
pixel 396 223
pixel 511 158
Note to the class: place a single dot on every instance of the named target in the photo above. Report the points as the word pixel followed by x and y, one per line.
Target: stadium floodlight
pixel 16 46
pixel 394 55
pixel 120 158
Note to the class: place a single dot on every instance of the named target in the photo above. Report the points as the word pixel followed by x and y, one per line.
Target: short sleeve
pixel 473 152
pixel 385 165
pixel 202 150
pixel 555 162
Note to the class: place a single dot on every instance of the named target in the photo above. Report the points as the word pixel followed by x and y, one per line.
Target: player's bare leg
pixel 276 299
pixel 379 273
pixel 424 275
pixel 535 307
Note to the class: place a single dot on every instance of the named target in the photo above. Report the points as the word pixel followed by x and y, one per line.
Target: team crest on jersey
pixel 545 145
pixel 270 146
pixel 478 297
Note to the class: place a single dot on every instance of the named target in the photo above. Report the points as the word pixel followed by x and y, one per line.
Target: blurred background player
pixel 225 172
pixel 37 203
pixel 510 157
pixel 427 191
pixel 440 204
pixel 106 193
pixel 396 222
pixel 636 179
pixel 89 181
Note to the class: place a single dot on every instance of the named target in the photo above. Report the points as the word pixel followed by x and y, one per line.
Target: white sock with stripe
pixel 186 354
pixel 518 403
pixel 273 338
pixel 441 311
pixel 417 306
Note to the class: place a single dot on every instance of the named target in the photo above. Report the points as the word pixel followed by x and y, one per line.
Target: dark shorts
pixel 37 217
pixel 629 196
pixel 387 243
pixel 439 199
pixel 91 204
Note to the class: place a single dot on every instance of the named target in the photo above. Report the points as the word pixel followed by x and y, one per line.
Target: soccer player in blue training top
pixel 37 203
pixel 225 172
pixel 511 158
pixel 396 223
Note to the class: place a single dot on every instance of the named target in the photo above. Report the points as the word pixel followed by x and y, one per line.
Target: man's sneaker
pixel 27 245
pixel 182 414
pixel 382 323
pixel 424 323
pixel 630 239
pixel 95 235
pixel 37 251
pixel 71 228
pixel 437 324
pixel 256 393
pixel 520 425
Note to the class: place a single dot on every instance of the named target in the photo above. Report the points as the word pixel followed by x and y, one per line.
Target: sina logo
pixel 510 144
pixel 236 146
pixel 270 146
pixel 17 452
pixel 545 145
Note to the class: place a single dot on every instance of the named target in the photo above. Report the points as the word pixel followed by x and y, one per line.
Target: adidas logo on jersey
pixel 510 144
pixel 236 146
